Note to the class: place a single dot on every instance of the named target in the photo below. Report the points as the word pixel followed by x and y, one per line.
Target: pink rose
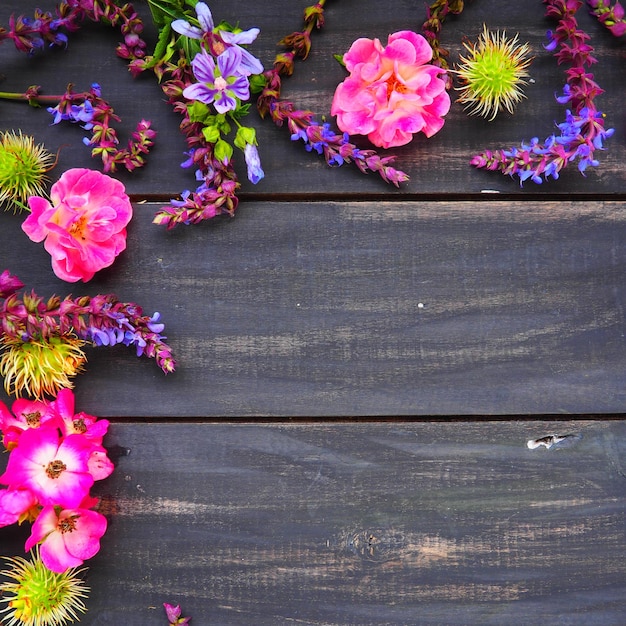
pixel 84 227
pixel 68 538
pixel 55 470
pixel 391 92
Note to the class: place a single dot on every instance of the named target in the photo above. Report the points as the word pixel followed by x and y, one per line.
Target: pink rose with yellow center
pixel 83 226
pixel 391 93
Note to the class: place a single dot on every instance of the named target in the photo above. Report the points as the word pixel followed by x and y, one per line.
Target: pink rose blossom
pixel 67 539
pixel 81 423
pixel 99 464
pixel 84 227
pixel 15 503
pixel 55 470
pixel 24 414
pixel 392 92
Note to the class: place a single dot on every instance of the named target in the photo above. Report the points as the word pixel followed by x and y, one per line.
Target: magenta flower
pixel 99 464
pixel 24 414
pixel 219 85
pixel 391 93
pixel 67 539
pixel 173 615
pixel 14 504
pixel 84 227
pixel 56 470
pixel 71 423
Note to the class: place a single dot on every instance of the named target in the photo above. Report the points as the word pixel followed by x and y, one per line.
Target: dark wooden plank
pixel 438 165
pixel 366 309
pixel 362 523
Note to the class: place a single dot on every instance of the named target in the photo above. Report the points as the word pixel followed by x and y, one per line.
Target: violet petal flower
pixel 219 85
pixel 249 63
pixel 183 27
pixel 253 161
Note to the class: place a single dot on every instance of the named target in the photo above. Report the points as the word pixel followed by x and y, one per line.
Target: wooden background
pixel 360 367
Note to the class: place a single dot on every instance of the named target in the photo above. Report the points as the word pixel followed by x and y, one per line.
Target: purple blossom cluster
pixel 582 132
pixel 32 34
pixel 95 114
pixel 88 109
pixel 103 320
pixel 217 78
pixel 337 150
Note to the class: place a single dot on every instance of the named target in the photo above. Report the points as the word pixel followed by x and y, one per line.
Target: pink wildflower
pixel 392 92
pixel 24 414
pixel 173 614
pixel 99 464
pixel 66 539
pixel 55 470
pixel 84 227
pixel 14 504
pixel 81 423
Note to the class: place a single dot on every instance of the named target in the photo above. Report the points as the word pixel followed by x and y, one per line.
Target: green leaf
pixel 245 136
pixel 339 59
pixel 223 151
pixel 200 112
pixel 211 134
pixel 165 11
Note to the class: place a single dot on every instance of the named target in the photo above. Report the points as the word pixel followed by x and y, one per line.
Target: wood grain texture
pixel 332 295
pixel 367 309
pixel 439 165
pixel 362 524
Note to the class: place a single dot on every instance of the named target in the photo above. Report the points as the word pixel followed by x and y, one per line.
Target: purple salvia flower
pixel 154 325
pixel 218 85
pixel 249 63
pixel 253 162
pixel 205 18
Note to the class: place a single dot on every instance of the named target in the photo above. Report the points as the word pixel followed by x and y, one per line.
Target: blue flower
pixel 218 85
pixel 253 161
pixel 135 338
pixel 567 95
pixel 552 41
pixel 205 18
pixel 154 325
pixel 249 63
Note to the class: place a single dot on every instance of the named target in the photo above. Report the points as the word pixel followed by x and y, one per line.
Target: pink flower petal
pixel 84 228
pixel 391 92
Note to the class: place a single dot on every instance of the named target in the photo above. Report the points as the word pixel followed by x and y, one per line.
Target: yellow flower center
pixel 33 419
pixel 393 84
pixel 67 524
pixel 79 426
pixel 55 468
pixel 78 227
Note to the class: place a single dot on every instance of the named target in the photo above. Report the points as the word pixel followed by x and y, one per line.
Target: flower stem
pixel 336 148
